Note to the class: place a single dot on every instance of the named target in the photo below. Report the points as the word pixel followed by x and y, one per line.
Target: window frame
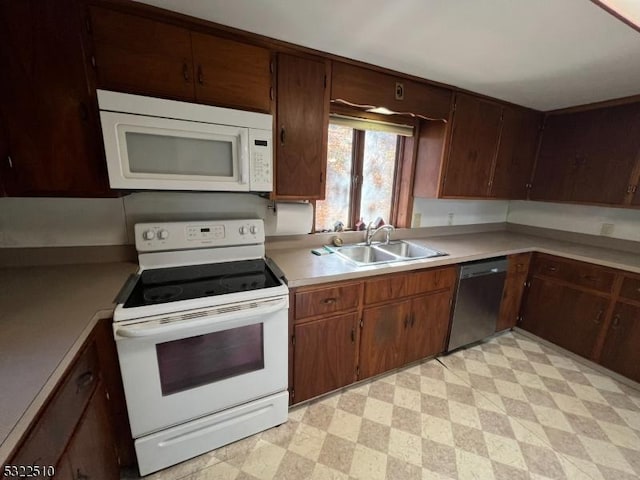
pixel 404 165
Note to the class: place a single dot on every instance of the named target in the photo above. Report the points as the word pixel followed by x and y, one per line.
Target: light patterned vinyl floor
pixel 507 409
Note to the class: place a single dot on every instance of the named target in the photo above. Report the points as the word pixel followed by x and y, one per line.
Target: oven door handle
pixel 150 329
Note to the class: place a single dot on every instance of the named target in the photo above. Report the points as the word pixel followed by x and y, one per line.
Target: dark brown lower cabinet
pixel 566 316
pixel 79 429
pixel 517 270
pixel 621 352
pixel 91 453
pixel 325 355
pixel 429 325
pixel 403 332
pixel 383 337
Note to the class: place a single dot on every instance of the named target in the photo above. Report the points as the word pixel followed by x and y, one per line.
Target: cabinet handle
pixel 353 335
pixel 598 317
pixel 185 72
pixel 616 322
pixel 84 380
pixel 552 269
pixel 84 112
pixel 589 277
pixel 200 75
pixel 329 301
pixel 282 135
pixel 271 93
pixel 10 161
pixel 81 476
pixel 406 321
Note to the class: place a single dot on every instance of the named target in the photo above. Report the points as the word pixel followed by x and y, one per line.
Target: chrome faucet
pixel 370 234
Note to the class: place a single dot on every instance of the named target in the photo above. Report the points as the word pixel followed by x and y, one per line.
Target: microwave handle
pixel 142 331
pixel 245 159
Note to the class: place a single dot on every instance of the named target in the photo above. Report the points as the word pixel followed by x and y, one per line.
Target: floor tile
pixel 509 408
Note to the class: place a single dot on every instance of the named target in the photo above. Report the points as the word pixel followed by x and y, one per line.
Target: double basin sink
pixel 376 253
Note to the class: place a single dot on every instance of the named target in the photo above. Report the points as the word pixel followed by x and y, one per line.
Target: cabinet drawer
pixel 577 273
pixel 431 280
pixel 49 436
pixel 327 300
pixel 384 288
pixel 630 288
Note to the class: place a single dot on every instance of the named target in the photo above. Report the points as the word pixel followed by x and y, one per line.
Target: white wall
pixel 39 222
pixel 436 213
pixel 577 218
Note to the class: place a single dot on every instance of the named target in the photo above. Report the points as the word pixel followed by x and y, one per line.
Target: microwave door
pixel 158 153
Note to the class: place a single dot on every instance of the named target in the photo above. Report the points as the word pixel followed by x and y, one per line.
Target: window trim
pixel 406 154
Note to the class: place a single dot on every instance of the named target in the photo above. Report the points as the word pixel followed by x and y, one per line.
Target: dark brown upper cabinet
pixel 487 150
pixel 301 127
pixel 140 55
pixel 590 156
pixel 365 87
pixel 516 153
pixel 53 145
pixel 473 146
pixel 231 73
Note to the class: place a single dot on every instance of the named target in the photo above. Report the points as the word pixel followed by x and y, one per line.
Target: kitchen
pixel 457 195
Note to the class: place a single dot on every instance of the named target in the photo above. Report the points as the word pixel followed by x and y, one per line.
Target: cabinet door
pixel 516 153
pixel 362 86
pixel 557 165
pixel 428 326
pixel 566 316
pixel 620 352
pixel 231 73
pixel 52 130
pixel 139 55
pixel 92 451
pixel 325 356
pixel 607 157
pixel 302 118
pixel 517 270
pixel 383 338
pixel 474 141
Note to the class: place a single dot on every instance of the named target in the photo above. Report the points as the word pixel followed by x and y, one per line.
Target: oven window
pixel 179 155
pixel 196 361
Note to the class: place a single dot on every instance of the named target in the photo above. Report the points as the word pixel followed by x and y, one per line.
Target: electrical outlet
pixel 607 229
pixel 417 220
pixel 450 221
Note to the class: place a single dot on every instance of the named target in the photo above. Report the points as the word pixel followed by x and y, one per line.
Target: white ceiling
pixel 544 54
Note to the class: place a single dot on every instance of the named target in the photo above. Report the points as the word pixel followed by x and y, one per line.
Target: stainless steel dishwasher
pixel 477 301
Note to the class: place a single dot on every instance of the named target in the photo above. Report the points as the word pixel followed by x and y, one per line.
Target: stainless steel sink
pixel 364 254
pixel 409 250
pixel 397 251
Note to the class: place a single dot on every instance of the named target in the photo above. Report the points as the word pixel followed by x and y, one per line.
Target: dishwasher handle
pixel 480 269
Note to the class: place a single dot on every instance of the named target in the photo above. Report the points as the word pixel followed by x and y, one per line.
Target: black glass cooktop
pixel 163 285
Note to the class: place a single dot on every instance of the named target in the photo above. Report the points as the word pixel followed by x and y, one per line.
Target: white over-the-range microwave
pixel 156 144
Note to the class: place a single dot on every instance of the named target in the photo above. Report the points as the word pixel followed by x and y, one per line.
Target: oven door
pixel 145 152
pixel 179 368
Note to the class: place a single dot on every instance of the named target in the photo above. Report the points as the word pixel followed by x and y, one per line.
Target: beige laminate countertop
pixel 46 314
pixel 301 267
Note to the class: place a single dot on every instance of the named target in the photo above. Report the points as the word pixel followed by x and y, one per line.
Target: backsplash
pixel 620 223
pixel 438 213
pixel 58 222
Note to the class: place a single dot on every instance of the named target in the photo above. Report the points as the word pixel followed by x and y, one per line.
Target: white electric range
pixel 201 333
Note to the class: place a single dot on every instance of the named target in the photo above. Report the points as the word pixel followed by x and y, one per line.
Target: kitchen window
pixel 362 168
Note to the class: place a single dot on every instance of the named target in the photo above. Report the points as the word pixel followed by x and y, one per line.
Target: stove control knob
pixel 243 230
pixel 163 234
pixel 149 235
pixel 253 229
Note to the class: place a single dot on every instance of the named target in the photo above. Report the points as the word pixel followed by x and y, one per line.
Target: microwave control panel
pixel 154 237
pixel 260 160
